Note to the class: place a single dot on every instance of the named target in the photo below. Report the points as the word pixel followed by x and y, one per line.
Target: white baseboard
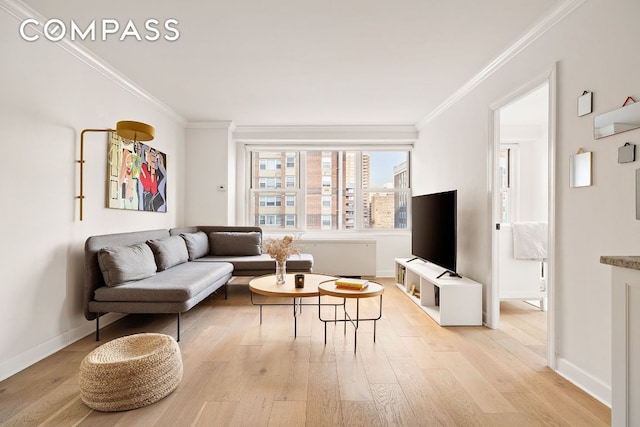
pixel 385 273
pixel 24 360
pixel 584 380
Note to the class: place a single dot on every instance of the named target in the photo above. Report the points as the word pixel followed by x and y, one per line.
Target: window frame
pixel 354 199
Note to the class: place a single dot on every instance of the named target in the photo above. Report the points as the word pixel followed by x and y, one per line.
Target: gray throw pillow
pixel 197 244
pixel 234 244
pixel 120 264
pixel 169 251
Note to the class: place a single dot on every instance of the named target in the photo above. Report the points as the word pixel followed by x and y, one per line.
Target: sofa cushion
pixel 261 264
pixel 121 264
pixel 169 251
pixel 180 283
pixel 197 244
pixel 234 244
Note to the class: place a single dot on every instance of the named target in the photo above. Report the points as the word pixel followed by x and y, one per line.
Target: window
pixel 326 163
pixel 326 201
pixel 270 183
pixel 269 220
pixel 270 201
pixel 508 166
pixel 270 164
pixel 329 190
pixel 291 181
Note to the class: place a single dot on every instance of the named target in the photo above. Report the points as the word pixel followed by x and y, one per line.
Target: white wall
pixel 48 97
pixel 210 163
pixel 592 47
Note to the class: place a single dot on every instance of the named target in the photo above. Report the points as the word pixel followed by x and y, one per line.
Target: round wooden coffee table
pixel 266 286
pixel 329 288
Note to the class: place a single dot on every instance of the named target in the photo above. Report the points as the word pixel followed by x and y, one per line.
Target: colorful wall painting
pixel 137 176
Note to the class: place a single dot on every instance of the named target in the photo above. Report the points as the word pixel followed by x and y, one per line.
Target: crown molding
pixel 326 128
pixel 545 24
pixel 371 134
pixel 213 124
pixel 21 11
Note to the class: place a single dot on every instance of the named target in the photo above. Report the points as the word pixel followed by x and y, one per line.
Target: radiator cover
pixel 342 257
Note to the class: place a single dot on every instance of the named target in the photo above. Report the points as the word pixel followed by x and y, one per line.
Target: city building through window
pixel 329 189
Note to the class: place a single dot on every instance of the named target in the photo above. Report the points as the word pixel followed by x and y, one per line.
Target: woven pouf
pixel 130 372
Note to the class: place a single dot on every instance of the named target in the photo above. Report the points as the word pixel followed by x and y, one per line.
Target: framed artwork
pixel 137 176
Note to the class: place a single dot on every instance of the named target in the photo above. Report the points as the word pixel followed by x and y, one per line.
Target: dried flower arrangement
pixel 280 249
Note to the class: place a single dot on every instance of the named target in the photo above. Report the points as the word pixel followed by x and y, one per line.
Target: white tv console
pixel 450 301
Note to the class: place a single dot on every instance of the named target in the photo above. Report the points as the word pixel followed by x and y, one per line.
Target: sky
pixel 382 163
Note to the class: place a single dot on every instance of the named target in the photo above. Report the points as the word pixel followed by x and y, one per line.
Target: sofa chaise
pixel 170 271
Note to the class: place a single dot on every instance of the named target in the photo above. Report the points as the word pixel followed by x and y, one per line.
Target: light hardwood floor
pixel 238 372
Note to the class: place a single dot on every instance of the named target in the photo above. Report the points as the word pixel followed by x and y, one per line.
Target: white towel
pixel 530 240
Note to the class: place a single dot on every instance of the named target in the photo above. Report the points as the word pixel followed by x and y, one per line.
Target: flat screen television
pixel 433 229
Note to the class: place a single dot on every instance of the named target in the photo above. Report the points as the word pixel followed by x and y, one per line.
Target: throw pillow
pixel 169 251
pixel 197 244
pixel 122 264
pixel 234 244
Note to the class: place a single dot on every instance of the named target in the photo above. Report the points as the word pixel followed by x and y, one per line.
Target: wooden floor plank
pixel 469 377
pixel 70 414
pixel 362 413
pixel 456 400
pixel 286 413
pixel 323 396
pixel 214 414
pixel 352 379
pixel 423 398
pixel 392 405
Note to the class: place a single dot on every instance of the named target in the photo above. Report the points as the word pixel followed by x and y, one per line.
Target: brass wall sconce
pixel 135 131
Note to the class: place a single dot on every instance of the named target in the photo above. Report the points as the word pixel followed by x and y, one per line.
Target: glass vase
pixel 281 272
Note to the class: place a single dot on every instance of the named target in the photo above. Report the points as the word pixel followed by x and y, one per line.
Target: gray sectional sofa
pixel 170 271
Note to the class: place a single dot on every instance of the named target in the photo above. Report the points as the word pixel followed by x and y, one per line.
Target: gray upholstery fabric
pixel 169 251
pixel 197 244
pixel 259 265
pixel 121 264
pixel 180 283
pixel 179 288
pixel 93 278
pixel 234 244
pixel 214 228
pixel 156 306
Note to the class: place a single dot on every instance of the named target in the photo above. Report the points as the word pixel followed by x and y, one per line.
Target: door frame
pixel 493 301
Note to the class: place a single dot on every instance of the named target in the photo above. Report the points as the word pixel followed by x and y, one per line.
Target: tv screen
pixel 433 233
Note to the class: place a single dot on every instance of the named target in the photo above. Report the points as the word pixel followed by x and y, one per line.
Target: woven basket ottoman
pixel 130 372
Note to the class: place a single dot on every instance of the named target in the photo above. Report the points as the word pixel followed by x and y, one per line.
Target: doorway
pixel 522 150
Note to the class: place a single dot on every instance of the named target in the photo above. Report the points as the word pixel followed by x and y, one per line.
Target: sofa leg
pixel 98 327
pixel 178 340
pixel 226 286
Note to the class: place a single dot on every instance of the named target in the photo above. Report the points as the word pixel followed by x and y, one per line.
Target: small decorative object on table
pixel 280 250
pixel 347 283
pixel 299 280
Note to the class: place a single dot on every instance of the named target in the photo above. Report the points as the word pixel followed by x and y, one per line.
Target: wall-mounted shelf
pixel 450 301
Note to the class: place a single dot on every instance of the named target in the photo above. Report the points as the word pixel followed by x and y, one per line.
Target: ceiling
pixel 306 62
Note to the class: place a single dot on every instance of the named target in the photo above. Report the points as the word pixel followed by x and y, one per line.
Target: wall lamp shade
pixel 135 131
